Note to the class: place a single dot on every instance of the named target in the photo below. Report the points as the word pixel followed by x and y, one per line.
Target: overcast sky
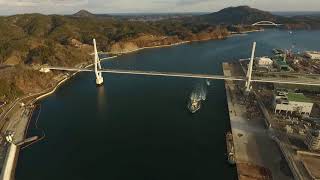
pixel 8 7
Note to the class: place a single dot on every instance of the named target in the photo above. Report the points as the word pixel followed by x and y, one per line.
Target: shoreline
pixel 231 34
pixel 150 47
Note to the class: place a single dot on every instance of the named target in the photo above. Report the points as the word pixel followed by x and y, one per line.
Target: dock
pixel 257 156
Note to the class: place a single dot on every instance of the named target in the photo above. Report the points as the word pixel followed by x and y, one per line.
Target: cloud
pixel 34 3
pixel 191 2
pixel 69 2
pixel 19 3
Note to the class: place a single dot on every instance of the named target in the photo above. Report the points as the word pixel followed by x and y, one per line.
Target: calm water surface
pixel 137 127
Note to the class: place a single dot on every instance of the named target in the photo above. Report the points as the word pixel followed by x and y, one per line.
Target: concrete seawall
pixel 8 169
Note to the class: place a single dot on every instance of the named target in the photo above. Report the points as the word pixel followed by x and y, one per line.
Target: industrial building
pixel 313 140
pixel 280 63
pixel 314 55
pixel 264 62
pixel 290 102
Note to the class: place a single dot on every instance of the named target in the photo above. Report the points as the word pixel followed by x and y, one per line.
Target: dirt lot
pixel 253 172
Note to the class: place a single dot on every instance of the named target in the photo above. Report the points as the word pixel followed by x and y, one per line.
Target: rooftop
pixel 313 52
pixel 298 97
pixel 263 59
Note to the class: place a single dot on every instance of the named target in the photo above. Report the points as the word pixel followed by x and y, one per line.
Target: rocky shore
pixel 145 41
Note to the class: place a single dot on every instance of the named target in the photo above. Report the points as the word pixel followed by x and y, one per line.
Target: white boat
pixel 208 82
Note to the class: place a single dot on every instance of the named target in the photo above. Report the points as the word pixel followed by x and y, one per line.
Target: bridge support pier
pixel 250 66
pixel 97 65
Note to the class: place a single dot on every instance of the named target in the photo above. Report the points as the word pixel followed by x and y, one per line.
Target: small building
pixel 44 70
pixel 313 55
pixel 289 102
pixel 313 140
pixel 289 129
pixel 2 103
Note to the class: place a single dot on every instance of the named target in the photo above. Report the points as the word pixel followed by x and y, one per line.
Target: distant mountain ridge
pixel 83 13
pixel 86 14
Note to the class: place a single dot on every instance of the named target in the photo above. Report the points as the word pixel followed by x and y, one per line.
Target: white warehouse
pixel 264 62
pixel 289 102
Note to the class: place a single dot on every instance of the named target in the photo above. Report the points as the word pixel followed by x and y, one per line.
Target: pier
pixel 256 154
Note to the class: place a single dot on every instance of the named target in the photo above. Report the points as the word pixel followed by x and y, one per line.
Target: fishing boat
pixel 194 105
pixel 230 148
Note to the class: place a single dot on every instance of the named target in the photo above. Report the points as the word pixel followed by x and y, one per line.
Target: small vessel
pixel 208 82
pixel 194 105
pixel 230 148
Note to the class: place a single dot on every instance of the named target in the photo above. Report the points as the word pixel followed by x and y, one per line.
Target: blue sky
pixel 8 7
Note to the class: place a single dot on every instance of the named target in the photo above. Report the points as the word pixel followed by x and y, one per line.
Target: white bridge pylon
pixel 97 65
pixel 250 66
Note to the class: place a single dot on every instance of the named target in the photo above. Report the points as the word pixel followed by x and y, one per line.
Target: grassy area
pixel 298 97
pixel 303 88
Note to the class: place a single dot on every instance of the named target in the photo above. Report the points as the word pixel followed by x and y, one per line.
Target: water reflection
pixel 101 99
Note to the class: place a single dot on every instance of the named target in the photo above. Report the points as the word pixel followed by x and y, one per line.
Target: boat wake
pixel 197 95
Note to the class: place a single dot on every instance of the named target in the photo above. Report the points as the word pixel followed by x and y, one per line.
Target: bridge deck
pixel 314 82
pixel 153 73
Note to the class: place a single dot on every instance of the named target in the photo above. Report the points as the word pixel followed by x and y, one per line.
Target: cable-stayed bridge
pixel 98 70
pixel 192 75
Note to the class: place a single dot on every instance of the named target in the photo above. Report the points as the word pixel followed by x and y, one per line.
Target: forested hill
pixel 30 40
pixel 41 38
